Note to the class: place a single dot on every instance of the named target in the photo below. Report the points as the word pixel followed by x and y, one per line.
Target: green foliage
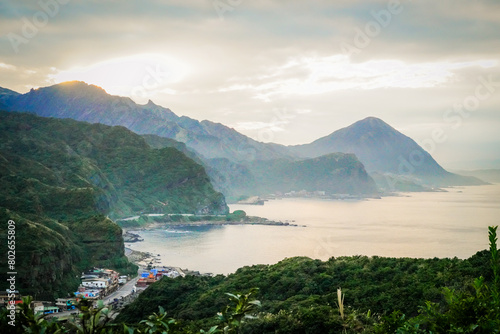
pixel 97 319
pixel 476 311
pixel 91 320
pixel 156 323
pixel 299 291
pixel 236 215
pixel 69 169
pixel 241 307
pixel 27 321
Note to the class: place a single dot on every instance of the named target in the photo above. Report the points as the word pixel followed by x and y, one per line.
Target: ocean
pixel 419 225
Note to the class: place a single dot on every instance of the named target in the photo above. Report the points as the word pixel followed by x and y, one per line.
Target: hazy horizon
pixel 279 73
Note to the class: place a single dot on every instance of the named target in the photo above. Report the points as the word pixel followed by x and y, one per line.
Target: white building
pixel 99 283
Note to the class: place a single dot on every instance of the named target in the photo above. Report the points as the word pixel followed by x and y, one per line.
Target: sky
pixel 287 72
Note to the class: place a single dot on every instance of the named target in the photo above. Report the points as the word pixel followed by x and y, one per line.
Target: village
pixel 277 195
pixel 106 285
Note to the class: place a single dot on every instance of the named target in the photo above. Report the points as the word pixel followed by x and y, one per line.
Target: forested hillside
pixel 336 173
pixel 299 295
pixel 61 178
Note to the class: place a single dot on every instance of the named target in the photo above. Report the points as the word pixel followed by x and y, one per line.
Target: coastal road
pixel 125 290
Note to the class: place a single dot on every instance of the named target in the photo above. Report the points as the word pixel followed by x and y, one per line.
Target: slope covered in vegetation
pixel 336 173
pixel 299 295
pixel 61 178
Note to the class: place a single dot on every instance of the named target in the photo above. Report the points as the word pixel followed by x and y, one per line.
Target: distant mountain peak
pixel 371 123
pixel 76 87
pixel 372 120
pixel 377 144
pixel 5 91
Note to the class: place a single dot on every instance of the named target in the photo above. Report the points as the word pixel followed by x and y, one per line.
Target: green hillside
pixel 299 295
pixel 61 179
pixel 336 173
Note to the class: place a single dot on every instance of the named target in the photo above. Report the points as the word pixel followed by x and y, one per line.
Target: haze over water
pixel 441 224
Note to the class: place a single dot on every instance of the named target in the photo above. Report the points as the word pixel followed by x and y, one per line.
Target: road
pixel 125 290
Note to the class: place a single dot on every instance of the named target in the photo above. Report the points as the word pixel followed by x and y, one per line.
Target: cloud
pixel 4 66
pixel 331 73
pixel 268 55
pixel 274 126
pixel 138 76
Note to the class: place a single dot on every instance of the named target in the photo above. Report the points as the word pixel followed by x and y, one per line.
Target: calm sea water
pixel 444 224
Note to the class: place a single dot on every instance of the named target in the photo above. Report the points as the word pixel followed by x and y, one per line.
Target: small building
pixel 40 308
pixel 168 273
pixel 88 293
pixel 100 283
pixel 7 296
pixel 66 304
pixel 144 282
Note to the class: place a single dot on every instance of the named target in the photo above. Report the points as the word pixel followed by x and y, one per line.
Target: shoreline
pixel 128 231
pixel 145 259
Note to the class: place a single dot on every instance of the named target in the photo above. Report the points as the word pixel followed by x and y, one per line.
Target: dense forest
pixel 299 295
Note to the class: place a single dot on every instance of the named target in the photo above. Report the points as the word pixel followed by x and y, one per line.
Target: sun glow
pixel 139 76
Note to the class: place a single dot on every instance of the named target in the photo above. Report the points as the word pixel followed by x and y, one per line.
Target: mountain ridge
pixel 381 148
pixel 206 137
pixel 61 180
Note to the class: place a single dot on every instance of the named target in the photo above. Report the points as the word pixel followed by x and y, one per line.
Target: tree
pixel 464 311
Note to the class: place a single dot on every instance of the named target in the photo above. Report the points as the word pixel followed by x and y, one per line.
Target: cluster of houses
pixel 95 284
pixel 307 194
pixel 301 193
pixel 98 283
pixel 153 275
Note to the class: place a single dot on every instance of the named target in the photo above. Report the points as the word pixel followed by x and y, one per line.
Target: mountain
pixel 335 173
pixel 394 160
pixel 231 178
pixel 83 102
pixel 61 180
pixel 6 94
pixel 489 175
pixel 113 166
pixel 383 149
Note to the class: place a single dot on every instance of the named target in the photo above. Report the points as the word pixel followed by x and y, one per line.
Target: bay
pixel 420 225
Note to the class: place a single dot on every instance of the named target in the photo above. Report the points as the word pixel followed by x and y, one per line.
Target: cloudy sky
pixel 282 71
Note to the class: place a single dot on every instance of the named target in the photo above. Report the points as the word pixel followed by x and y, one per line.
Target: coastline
pixel 251 220
pixel 144 259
